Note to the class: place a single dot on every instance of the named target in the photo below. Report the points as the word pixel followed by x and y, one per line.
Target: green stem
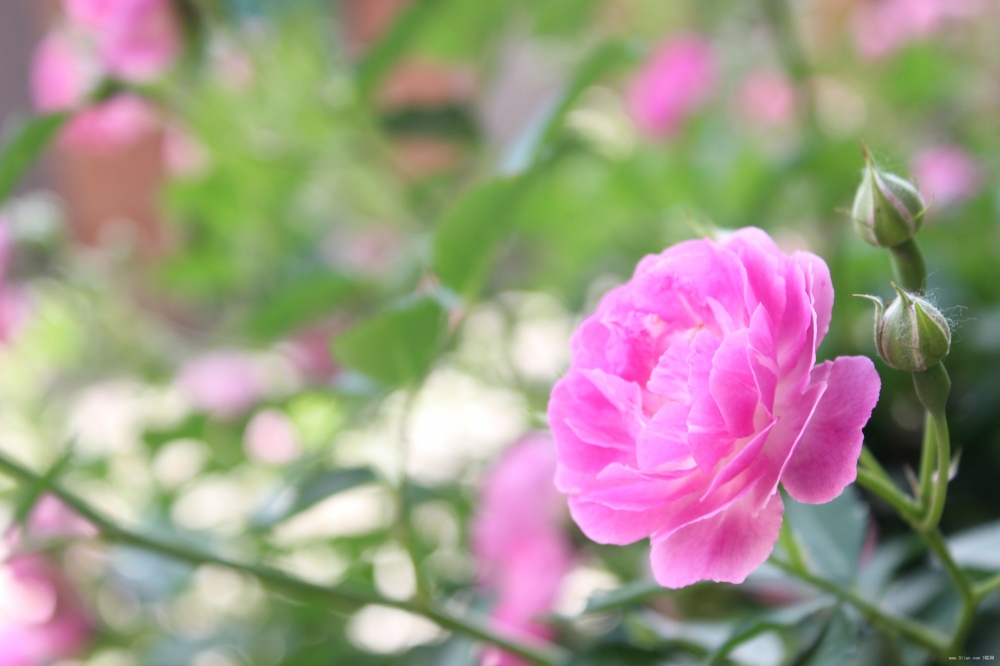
pixel 939 491
pixel 986 587
pixel 935 541
pixel 538 652
pixel 883 487
pixel 928 459
pixel 900 626
pixel 908 264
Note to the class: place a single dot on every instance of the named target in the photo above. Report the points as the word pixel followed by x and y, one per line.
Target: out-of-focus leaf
pixel 617 655
pixel 396 347
pixel 469 236
pixel 538 137
pixel 978 548
pixel 312 490
pixel 832 534
pixel 837 645
pixel 766 622
pixel 22 147
pixel 299 303
pixel 383 55
pixel 627 595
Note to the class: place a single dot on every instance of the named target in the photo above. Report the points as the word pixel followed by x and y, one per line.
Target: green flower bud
pixel 887 210
pixel 910 334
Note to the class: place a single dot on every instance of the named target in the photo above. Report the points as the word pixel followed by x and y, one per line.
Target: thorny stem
pixel 537 652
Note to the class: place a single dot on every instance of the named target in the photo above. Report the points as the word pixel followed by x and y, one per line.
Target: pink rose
pixel 767 99
pixel 947 175
pixel 111 125
pixel 223 383
pixel 138 39
pixel 41 618
pixel 883 26
pixel 518 542
pixel 692 392
pixel 674 82
pixel 63 73
pixel 271 438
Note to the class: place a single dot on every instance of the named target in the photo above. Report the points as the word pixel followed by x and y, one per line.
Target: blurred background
pixel 308 249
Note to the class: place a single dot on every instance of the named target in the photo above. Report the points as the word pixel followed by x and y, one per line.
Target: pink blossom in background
pixel 309 350
pixel 41 618
pixel 271 438
pixel 674 82
pixel 883 26
pixel 767 98
pixel 137 40
pixel 692 392
pixel 518 541
pixel 112 125
pixel 947 175
pixel 51 518
pixel 184 156
pixel 223 383
pixel 63 73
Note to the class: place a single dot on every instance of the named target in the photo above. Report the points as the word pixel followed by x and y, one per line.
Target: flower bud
pixel 887 210
pixel 910 334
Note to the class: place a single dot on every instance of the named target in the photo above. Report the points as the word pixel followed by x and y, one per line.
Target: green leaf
pixel 395 347
pixel 632 594
pixel 469 236
pixel 978 548
pixel 831 534
pixel 311 490
pixel 532 145
pixel 772 621
pixel 301 302
pixel 22 146
pixel 837 645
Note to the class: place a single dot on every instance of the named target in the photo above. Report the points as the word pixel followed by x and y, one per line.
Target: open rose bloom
pixel 693 391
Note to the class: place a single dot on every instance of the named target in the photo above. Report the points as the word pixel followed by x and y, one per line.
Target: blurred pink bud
pixel 947 175
pixel 310 350
pixel 673 83
pixel 271 438
pixel 183 155
pixel 767 99
pixel 16 307
pixel 223 383
pixel 138 39
pixel 110 126
pixel 882 26
pixel 51 518
pixel 41 618
pixel 518 540
pixel 63 72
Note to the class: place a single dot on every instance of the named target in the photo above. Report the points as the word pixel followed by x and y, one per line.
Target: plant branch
pixel 538 652
pixel 918 633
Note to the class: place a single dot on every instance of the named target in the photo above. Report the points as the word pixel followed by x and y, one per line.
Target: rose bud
pixel 887 210
pixel 911 334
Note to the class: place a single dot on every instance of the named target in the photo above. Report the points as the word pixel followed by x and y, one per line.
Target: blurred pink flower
pixel 310 350
pixel 947 175
pixel 675 81
pixel 271 438
pixel 41 618
pixel 518 541
pixel 184 156
pixel 692 392
pixel 138 40
pixel 63 72
pixel 112 125
pixel 223 383
pixel 767 98
pixel 52 518
pixel 882 26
